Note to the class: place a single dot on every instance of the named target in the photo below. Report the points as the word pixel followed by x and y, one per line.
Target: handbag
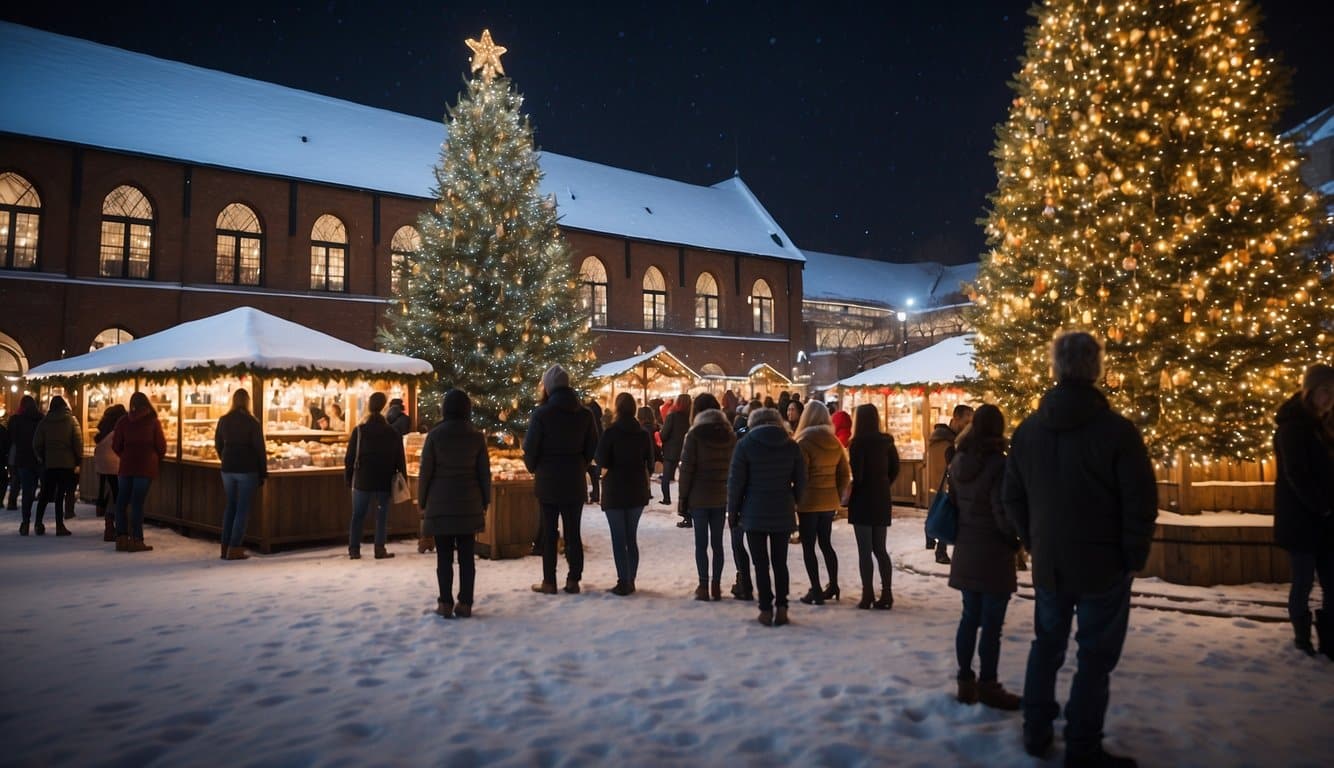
pixel 942 520
pixel 398 487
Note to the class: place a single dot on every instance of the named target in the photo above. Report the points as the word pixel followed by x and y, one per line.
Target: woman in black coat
pixel 453 492
pixel 239 441
pixel 1304 503
pixel 674 429
pixel 983 565
pixel 625 460
pixel 374 453
pixel 875 464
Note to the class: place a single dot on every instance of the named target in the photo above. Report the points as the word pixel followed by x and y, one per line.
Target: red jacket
pixel 139 442
pixel 842 427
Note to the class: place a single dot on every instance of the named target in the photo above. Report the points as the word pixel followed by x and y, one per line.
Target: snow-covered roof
pixel 658 358
pixel 830 277
pixel 1314 129
pixel 65 89
pixel 242 337
pixel 947 362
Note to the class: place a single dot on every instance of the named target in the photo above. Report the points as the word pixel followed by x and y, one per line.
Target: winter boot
pixel 545 588
pixel 572 586
pixel 444 608
pixel 780 615
pixel 716 590
pixel 122 543
pixel 425 544
pixel 868 599
pixel 832 592
pixel 1324 629
pixel 702 592
pixel 1098 758
pixel 463 610
pixel 813 596
pixel 684 522
pixel 223 550
pixel 61 530
pixel 237 553
pixel 1020 560
pixel 1301 628
pixel 138 545
pixel 967 687
pixel 23 528
pixel 942 556
pixel 992 694
pixel 381 553
pixel 109 530
pixel 766 618
pixel 353 553
pixel 743 589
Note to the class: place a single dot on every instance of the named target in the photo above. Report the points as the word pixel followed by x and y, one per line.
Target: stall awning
pixel 948 362
pixel 658 359
pixel 766 371
pixel 241 339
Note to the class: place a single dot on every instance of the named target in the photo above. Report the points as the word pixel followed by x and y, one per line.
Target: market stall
pixel 913 394
pixel 655 373
pixel 308 389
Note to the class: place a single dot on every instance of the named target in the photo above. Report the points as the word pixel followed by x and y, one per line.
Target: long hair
pixel 865 421
pixel 139 402
pixel 814 415
pixel 107 423
pixel 987 432
pixel 241 400
pixel 702 403
pixel 682 403
pixel 624 406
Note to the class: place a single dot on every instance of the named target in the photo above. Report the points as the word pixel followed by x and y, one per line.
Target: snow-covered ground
pixel 306 658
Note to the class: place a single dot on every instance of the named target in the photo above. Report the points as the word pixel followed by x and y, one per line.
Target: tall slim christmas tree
pixel 1144 195
pixel 490 297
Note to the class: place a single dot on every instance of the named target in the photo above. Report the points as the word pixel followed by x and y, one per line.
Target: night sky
pixel 863 130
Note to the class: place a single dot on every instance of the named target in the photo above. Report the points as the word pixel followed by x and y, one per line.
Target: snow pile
pixel 306 658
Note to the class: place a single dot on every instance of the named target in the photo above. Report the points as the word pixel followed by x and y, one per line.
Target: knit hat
pixel 457 404
pixel 1317 376
pixel 554 378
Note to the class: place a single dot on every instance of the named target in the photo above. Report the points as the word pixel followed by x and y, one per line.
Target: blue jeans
pixel 130 506
pixel 361 500
pixel 708 531
pixel 987 611
pixel 240 489
pixel 1306 567
pixel 1103 619
pixel 624 526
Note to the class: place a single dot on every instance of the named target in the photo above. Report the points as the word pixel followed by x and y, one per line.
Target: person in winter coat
pixel 764 482
pixel 561 440
pixel 650 424
pixel 58 447
pixel 875 464
pixel 239 441
pixel 107 465
pixel 674 429
pixel 1304 503
pixel 594 482
pixel 139 443
pixel 729 404
pixel 22 459
pixel 706 456
pixel 827 479
pixel 624 458
pixel 374 454
pixel 1080 492
pixel 453 492
pixel 939 454
pixel 793 413
pixel 983 568
pixel 398 417
pixel 842 424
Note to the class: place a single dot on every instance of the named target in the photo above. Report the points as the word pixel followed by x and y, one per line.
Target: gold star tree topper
pixel 486 56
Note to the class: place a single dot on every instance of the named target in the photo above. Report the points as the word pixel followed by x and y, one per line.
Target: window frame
pixel 710 319
pixel 400 276
pixel 593 293
pixel 128 223
pixel 237 236
pixel 654 301
pixel 327 246
pixel 762 307
pixel 9 214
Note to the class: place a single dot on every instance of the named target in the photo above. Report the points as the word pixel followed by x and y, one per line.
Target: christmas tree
pixel 1145 196
pixel 489 299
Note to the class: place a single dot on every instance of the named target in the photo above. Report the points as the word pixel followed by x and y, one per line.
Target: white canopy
pixel 658 358
pixel 945 363
pixel 242 337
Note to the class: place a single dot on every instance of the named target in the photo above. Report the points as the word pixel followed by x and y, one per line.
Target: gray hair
pixel 1076 356
pixel 762 416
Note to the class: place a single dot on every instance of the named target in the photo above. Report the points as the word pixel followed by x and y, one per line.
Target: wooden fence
pixel 1190 488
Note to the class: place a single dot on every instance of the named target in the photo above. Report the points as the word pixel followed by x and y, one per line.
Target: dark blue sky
pixel 864 130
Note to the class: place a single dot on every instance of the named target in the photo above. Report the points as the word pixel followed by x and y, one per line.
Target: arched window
pixel 240 246
pixel 593 290
pixel 110 338
pixel 20 214
pixel 762 307
pixel 127 234
pixel 13 363
pixel 407 241
pixel 655 300
pixel 706 302
pixel 328 254
pixel 711 369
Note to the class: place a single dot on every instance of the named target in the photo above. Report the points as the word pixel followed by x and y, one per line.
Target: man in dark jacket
pixel 1304 503
pixel 1080 491
pixel 561 441
pixel 594 482
pixel 374 454
pixel 397 418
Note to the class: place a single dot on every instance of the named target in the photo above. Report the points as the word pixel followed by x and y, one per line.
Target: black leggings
pixel 56 485
pixel 769 550
pixel 816 528
pixel 871 540
pixel 444 566
pixel 103 483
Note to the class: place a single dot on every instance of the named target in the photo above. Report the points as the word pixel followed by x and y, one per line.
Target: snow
pixel 1216 519
pixel 614 368
pixel 89 94
pixel 943 363
pixel 307 658
pixel 830 277
pixel 242 336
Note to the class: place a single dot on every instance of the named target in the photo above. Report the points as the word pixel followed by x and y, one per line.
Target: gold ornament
pixel 1129 263
pixel 486 56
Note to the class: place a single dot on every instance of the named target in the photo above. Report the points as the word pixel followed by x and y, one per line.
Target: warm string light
pixel 1144 194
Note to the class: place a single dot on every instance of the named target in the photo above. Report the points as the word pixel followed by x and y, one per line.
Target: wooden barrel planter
pixel 1211 554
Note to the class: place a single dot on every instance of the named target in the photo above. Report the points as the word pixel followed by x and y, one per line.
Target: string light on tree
pixel 1144 194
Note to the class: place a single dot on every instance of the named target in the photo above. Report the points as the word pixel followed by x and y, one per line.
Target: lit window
pixel 110 338
pixel 328 254
pixel 593 290
pixel 706 302
pixel 20 214
pixel 406 242
pixel 655 300
pixel 762 307
pixel 240 246
pixel 127 235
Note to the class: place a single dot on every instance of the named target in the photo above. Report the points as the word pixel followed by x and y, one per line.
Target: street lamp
pixel 903 332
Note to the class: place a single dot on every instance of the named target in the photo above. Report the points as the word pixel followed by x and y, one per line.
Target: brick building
pixel 138 193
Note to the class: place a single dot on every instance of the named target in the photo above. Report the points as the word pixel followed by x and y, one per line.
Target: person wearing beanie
pixel 1304 504
pixel 374 454
pixel 398 417
pixel 58 447
pixel 561 441
pixel 453 492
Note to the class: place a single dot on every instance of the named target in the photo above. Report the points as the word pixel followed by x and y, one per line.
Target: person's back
pixel 374 453
pixel 706 457
pixel 22 428
pixel 56 441
pixel 874 461
pixel 768 475
pixel 560 442
pixel 827 471
pixel 397 418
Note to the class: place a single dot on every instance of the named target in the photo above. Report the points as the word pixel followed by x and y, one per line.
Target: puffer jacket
pixel 875 464
pixel 561 441
pixel 674 429
pixel 374 453
pixel 139 442
pixel 57 442
pixel 625 458
pixel 842 427
pixel 22 428
pixel 827 470
pixel 454 487
pixel 239 441
pixel 1304 488
pixel 984 551
pixel 706 457
pixel 768 475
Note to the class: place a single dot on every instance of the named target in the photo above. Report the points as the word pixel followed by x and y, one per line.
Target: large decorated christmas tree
pixel 1145 195
pixel 489 299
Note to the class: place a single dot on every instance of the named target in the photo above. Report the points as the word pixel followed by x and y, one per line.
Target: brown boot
pixel 138 545
pixel 992 694
pixel 545 588
pixel 702 592
pixel 463 610
pixel 425 544
pixel 716 590
pixel 109 530
pixel 780 615
pixel 223 552
pixel 237 553
pixel 122 543
pixel 381 553
pixel 967 688
pixel 766 618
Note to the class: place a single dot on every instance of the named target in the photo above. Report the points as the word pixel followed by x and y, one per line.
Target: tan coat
pixel 827 469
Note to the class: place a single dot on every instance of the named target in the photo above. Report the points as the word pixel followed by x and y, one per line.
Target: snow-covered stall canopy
pixel 656 367
pixel 948 362
pixel 243 340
